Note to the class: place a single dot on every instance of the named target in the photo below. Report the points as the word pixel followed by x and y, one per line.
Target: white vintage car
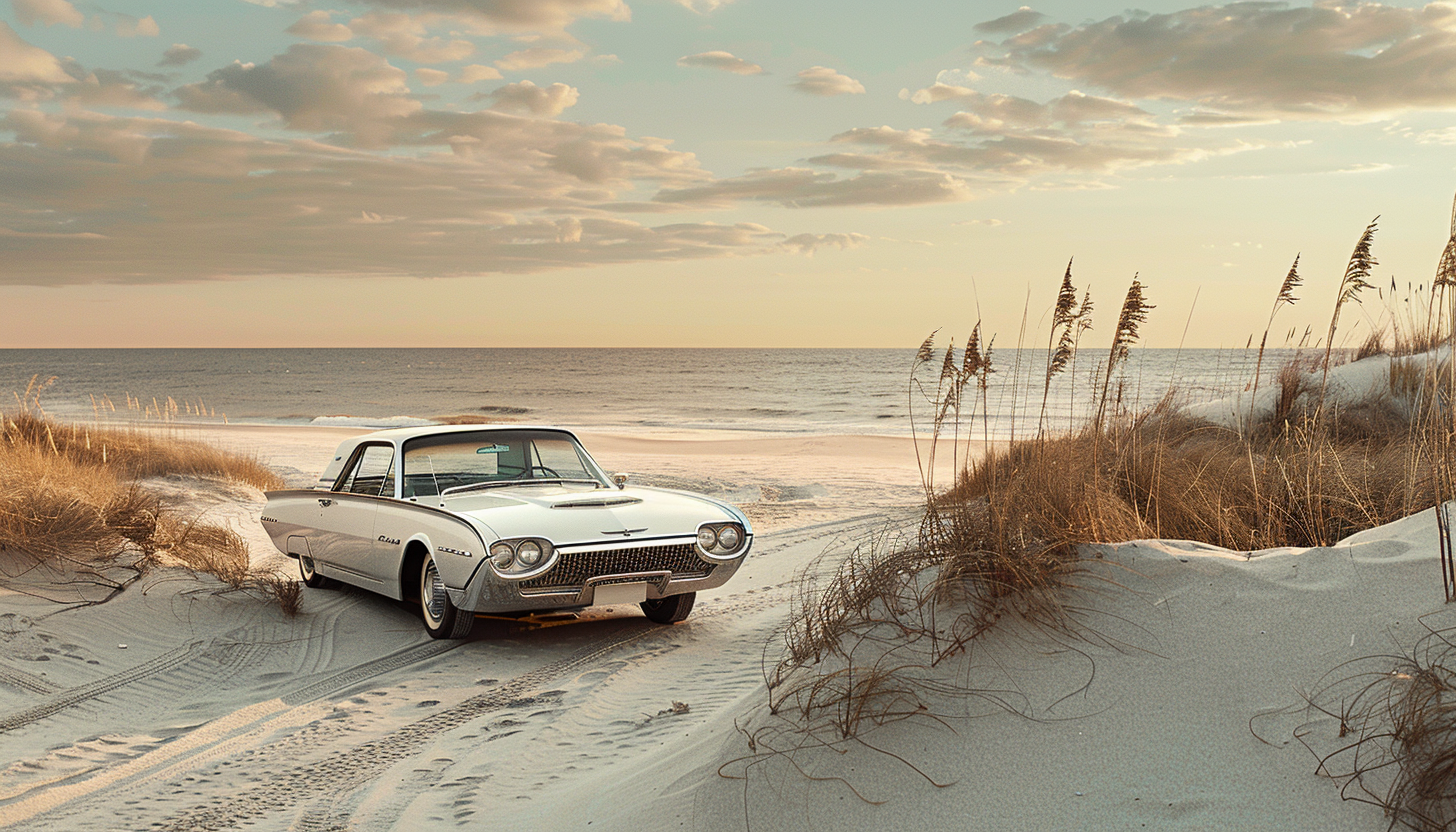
pixel 482 519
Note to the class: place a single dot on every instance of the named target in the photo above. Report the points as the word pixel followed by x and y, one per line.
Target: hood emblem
pixel 626 532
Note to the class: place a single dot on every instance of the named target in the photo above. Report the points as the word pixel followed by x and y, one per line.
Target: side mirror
pixel 620 478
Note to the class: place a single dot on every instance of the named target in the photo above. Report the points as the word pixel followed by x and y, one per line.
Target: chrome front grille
pixel 572 571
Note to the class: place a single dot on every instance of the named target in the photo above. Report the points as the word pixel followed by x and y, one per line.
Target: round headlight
pixel 501 555
pixel 529 553
pixel 729 537
pixel 707 538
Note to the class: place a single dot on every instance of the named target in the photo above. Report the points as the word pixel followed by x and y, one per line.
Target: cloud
pixel 478 72
pixel 821 80
pixel 50 235
pixel 27 72
pixel 1008 156
pixel 179 54
pixel 1323 61
pixel 807 244
pixel 108 88
pixel 319 25
pixel 537 57
pixel 526 97
pixel 98 136
pixel 313 87
pixel 938 92
pixel 132 27
pixel 359 100
pixel 804 188
pixel 238 205
pixel 431 77
pixel 490 16
pixel 702 6
pixel 1445 136
pixel 407 36
pixel 1209 119
pixel 49 12
pixel 993 143
pixel 1015 23
pixel 725 61
pixel 995 113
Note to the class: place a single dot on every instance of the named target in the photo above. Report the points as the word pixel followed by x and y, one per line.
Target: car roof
pixel 403 434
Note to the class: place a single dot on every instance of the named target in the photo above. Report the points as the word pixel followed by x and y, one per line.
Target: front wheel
pixel 669 610
pixel 442 618
pixel 310 576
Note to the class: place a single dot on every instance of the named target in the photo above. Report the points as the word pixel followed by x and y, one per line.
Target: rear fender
pixel 297 546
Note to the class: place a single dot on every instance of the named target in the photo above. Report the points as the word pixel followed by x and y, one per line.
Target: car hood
pixel 570 516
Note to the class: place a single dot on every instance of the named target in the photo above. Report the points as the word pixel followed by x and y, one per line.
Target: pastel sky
pixel 704 172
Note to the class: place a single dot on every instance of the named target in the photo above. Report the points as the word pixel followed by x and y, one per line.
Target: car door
pixel 349 549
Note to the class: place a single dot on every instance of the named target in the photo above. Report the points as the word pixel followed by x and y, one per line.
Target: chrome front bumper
pixel 583 570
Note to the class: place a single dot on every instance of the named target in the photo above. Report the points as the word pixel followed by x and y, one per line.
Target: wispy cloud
pixel 526 97
pixel 239 205
pixel 313 87
pixel 27 72
pixel 1012 24
pixel 702 6
pixel 179 54
pixel 804 188
pixel 319 25
pixel 807 244
pixel 49 12
pixel 821 80
pixel 136 27
pixel 537 57
pixel 511 15
pixel 1321 61
pixel 726 61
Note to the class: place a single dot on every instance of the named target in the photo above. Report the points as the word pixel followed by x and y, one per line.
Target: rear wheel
pixel 669 610
pixel 442 618
pixel 310 576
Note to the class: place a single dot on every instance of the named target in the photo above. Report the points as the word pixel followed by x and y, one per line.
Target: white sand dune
pixel 1179 709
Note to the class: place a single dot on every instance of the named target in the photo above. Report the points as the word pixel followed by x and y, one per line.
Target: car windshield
pixel 436 464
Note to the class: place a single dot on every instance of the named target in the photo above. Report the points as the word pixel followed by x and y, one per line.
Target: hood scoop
pixel 598 502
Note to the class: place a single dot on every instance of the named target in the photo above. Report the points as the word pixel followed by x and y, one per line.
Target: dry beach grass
pixel 73 501
pixel 1299 466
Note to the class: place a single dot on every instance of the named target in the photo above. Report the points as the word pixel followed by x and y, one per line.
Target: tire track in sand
pixel 212 739
pixel 345 770
pixel 26 681
pixel 106 684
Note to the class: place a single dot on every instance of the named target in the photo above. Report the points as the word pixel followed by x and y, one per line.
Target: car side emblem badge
pixel 626 532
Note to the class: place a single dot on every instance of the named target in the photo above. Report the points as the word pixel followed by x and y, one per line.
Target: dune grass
pixel 73 497
pixel 1301 467
pixel 1399 732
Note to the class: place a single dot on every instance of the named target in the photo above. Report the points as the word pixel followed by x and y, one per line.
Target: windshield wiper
pixel 475 486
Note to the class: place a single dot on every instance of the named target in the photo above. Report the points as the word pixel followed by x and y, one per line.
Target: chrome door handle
pixel 325 503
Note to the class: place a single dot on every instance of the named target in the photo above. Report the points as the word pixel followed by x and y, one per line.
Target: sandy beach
pixel 1181 703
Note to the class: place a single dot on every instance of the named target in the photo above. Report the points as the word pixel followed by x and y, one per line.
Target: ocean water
pixel 855 391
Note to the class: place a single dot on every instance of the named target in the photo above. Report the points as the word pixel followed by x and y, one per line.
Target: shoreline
pixel 779 481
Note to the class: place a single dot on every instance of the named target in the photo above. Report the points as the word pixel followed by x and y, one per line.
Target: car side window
pixel 371 472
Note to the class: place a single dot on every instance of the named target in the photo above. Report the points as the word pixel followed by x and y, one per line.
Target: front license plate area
pixel 619 594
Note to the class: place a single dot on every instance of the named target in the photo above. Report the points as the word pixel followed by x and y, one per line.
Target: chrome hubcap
pixel 432 594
